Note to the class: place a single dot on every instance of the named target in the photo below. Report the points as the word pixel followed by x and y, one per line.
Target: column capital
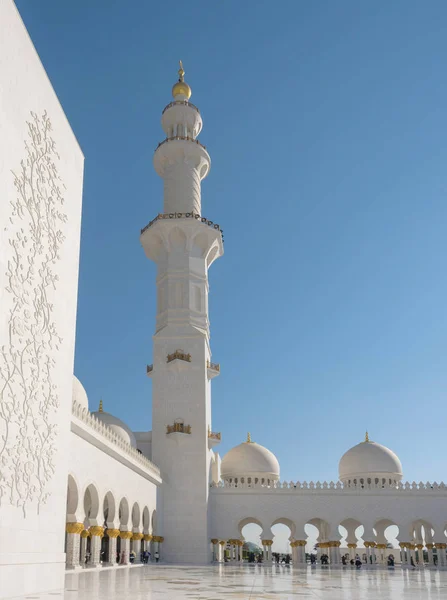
pixel 381 546
pixel 136 537
pixel 85 533
pixel 440 545
pixel 429 546
pixel 97 531
pixel 403 544
pixel 419 546
pixel 214 541
pixel 296 543
pixel 125 535
pixel 222 542
pixel 113 533
pixel 158 538
pixel 74 527
pixel 267 542
pixel 147 537
pixel 352 545
pixel 370 544
pixel 334 544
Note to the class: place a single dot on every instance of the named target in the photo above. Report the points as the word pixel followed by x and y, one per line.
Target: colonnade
pixel 135 541
pixel 376 553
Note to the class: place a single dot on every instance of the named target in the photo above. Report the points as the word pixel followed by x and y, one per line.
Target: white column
pixel 95 548
pixel 125 547
pixel 420 549
pixel 112 535
pixel 430 554
pixel 73 545
pixel 84 535
pixel 440 550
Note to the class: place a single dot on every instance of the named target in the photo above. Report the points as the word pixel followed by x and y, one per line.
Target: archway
pixel 146 520
pixel 123 516
pixel 283 530
pixel 318 532
pixel 250 530
pixel 91 505
pixel 109 511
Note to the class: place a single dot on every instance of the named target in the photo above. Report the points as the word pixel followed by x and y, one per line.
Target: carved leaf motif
pixel 28 395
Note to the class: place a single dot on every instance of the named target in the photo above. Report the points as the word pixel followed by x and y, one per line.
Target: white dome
pixel 117 426
pixel 370 460
pixel 79 393
pixel 250 460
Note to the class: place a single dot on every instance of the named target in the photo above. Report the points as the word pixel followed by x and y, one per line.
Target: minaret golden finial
pixel 366 437
pixel 248 438
pixel 181 90
pixel 181 72
pixel 100 409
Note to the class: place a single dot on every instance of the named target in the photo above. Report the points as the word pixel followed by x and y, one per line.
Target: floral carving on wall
pixel 28 394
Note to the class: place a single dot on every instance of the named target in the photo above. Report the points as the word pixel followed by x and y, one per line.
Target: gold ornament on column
pixel 214 541
pixel 429 546
pixel 147 537
pixel 222 542
pixel 267 542
pixel 97 531
pixel 136 537
pixel 352 545
pixel 113 533
pixel 125 535
pixel 85 533
pixel 74 527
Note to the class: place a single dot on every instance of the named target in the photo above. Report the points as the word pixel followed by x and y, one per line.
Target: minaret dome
pixel 181 90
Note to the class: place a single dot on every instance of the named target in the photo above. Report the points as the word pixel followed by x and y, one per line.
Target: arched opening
pixel 136 517
pixel 72 500
pixel 109 510
pixel 123 516
pixel 146 520
pixel 317 531
pixel 283 530
pixel 250 530
pixel 154 523
pixel 91 510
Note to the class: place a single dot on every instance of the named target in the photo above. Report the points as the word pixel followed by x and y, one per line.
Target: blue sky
pixel 326 126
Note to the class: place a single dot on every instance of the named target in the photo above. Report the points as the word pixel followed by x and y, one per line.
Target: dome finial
pixel 181 72
pixel 181 90
pixel 249 438
pixel 100 409
pixel 366 437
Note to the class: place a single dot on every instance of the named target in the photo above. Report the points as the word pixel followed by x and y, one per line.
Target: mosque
pixel 79 489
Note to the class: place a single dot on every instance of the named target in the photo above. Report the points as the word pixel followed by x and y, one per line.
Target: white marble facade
pixel 78 488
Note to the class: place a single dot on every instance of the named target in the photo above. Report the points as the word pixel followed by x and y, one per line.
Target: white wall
pixel 41 169
pixel 230 506
pixel 89 465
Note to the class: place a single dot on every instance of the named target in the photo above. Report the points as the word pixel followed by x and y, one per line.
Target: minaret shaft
pixel 183 245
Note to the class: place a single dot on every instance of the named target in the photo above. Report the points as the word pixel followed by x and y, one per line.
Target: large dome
pixel 117 426
pixel 79 394
pixel 370 462
pixel 250 460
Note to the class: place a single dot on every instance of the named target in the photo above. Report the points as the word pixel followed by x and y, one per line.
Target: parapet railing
pixel 213 366
pixel 214 435
pixel 91 421
pixel 178 428
pixel 188 215
pixel 185 138
pixel 332 486
pixel 181 103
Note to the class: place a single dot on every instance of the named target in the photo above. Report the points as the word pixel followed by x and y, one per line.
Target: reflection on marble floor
pixel 250 582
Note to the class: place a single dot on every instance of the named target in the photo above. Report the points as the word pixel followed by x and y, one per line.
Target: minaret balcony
pixel 214 438
pixel 179 215
pixel 185 138
pixel 178 355
pixel 178 428
pixel 213 370
pixel 180 103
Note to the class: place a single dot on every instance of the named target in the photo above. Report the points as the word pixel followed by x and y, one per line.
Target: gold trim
pixel 125 535
pixel 97 531
pixel 147 537
pixel 74 527
pixel 113 533
pixel 136 537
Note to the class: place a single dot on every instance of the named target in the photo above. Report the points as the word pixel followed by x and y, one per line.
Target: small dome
pixel 369 460
pixel 181 88
pixel 79 393
pixel 250 460
pixel 117 426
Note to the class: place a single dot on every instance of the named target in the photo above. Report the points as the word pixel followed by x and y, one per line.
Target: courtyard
pixel 251 582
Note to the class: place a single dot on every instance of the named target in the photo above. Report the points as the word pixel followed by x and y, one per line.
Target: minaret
pixel 183 244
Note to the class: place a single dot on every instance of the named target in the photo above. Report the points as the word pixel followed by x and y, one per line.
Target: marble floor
pixel 166 582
